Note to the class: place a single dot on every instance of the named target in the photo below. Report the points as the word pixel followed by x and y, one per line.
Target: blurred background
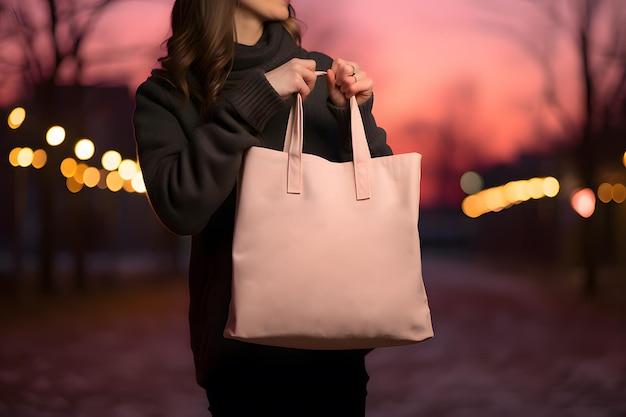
pixel 519 110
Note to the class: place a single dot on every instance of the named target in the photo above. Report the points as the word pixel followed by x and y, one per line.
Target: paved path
pixel 506 344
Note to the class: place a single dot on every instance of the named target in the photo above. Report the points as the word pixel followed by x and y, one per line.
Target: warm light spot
pixel 128 169
pixel 111 160
pixel 551 187
pixel 619 193
pixel 80 172
pixel 605 192
pixel 40 157
pixel 471 182
pixel 73 185
pixel 535 188
pixel 583 202
pixel 515 191
pixel 114 181
pixel 68 167
pixel 13 156
pixel 25 157
pixel 472 206
pixel 16 117
pixel 91 177
pixel 84 149
pixel 55 135
pixel 494 199
pixel 624 159
pixel 128 186
pixel 138 185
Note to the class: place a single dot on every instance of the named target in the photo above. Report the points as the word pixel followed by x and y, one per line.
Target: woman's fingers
pixel 348 80
pixel 295 76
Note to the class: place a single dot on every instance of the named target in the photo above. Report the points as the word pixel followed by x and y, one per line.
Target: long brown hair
pixel 203 40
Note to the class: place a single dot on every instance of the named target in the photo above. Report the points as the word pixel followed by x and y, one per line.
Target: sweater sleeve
pixel 376 136
pixel 189 171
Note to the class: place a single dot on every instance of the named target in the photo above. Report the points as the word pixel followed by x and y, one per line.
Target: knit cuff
pixel 255 100
pixel 342 115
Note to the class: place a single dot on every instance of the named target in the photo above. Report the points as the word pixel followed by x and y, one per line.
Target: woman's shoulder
pixel 158 87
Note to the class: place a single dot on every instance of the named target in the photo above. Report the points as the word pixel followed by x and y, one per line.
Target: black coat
pixel 190 168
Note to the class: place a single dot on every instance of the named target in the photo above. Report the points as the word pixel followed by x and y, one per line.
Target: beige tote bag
pixel 326 255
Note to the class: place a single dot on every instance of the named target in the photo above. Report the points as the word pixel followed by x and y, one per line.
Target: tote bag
pixel 326 255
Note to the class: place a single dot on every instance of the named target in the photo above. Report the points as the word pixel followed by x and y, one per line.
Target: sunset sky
pixel 457 66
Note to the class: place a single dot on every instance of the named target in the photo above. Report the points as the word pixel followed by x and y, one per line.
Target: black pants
pixel 303 384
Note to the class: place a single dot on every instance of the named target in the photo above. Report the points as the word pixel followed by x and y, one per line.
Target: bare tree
pixel 596 32
pixel 42 46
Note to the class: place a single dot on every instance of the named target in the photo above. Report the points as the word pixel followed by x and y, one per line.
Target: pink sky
pixel 422 56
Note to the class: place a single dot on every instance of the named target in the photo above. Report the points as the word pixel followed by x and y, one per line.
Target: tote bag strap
pixel 360 150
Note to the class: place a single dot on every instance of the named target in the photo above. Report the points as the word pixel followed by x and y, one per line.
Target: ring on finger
pixel 355 79
pixel 353 70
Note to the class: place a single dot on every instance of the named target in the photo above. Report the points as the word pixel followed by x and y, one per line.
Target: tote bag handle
pixel 360 150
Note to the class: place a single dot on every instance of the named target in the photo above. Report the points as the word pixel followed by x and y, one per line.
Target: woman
pixel 226 84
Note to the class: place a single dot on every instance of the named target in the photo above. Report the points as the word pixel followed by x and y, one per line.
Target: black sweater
pixel 190 168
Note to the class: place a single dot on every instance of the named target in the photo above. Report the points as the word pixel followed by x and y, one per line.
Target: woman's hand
pixel 294 76
pixel 345 80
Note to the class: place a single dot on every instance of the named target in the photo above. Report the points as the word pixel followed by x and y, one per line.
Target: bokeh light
pixel 128 169
pixel 551 187
pixel 583 201
pixel 72 185
pixel 16 117
pixel 25 157
pixel 55 136
pixel 40 157
pixel 84 149
pixel 605 192
pixel 13 157
pixel 619 193
pixel 114 181
pixel 471 182
pixel 111 160
pixel 91 177
pixel 68 167
pixel 80 172
pixel 514 192
pixel 138 184
pixel 624 159
pixel 535 188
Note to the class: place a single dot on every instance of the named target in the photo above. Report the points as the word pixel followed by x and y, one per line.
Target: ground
pixel 509 341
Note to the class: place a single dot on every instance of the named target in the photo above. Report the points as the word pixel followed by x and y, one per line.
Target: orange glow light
pixel 605 192
pixel 584 202
pixel 79 174
pixel 73 186
pixel 91 177
pixel 13 157
pixel 619 193
pixel 68 167
pixel 40 157
pixel 16 117
pixel 114 181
